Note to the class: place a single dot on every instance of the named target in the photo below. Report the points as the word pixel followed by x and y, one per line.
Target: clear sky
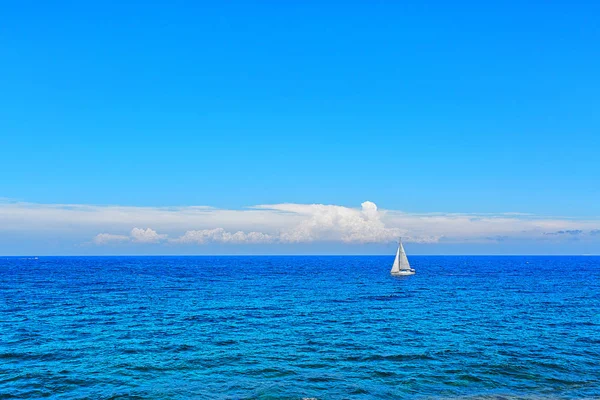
pixel 420 107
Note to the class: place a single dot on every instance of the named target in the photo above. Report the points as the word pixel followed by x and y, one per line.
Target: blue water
pixel 299 327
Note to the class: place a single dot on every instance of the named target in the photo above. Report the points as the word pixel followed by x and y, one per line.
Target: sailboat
pixel 401 265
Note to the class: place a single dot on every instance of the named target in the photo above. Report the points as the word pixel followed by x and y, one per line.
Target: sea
pixel 300 327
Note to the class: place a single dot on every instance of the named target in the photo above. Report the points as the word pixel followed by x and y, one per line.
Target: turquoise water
pixel 299 327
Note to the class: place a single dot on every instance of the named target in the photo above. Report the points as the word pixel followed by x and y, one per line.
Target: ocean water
pixel 299 327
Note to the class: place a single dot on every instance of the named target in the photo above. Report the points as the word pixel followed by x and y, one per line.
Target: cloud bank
pixel 307 223
pixel 286 223
pixel 137 235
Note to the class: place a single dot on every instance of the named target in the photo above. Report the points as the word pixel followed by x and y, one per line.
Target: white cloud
pixel 107 238
pixel 220 235
pixel 137 235
pixel 279 223
pixel 336 223
pixel 146 235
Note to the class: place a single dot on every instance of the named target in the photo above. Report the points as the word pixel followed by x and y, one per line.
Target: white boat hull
pixel 404 272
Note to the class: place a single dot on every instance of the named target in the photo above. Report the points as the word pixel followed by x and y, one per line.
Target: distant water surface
pixel 299 327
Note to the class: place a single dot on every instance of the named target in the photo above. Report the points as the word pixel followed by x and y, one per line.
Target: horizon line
pixel 297 255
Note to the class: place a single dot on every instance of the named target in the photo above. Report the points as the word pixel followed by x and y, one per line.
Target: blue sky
pixel 436 107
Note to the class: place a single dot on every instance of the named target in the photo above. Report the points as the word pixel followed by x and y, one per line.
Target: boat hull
pixel 402 273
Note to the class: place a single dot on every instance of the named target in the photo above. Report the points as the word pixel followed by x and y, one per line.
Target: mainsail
pixel 401 262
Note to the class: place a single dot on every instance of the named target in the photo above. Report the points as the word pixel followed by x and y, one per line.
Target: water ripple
pixel 300 328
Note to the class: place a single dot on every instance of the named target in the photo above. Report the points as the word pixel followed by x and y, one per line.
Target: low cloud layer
pixel 280 224
pixel 220 235
pixel 137 235
pixel 308 223
pixel 572 232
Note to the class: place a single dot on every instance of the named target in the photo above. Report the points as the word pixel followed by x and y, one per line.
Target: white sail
pixel 396 266
pixel 404 265
pixel 401 261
